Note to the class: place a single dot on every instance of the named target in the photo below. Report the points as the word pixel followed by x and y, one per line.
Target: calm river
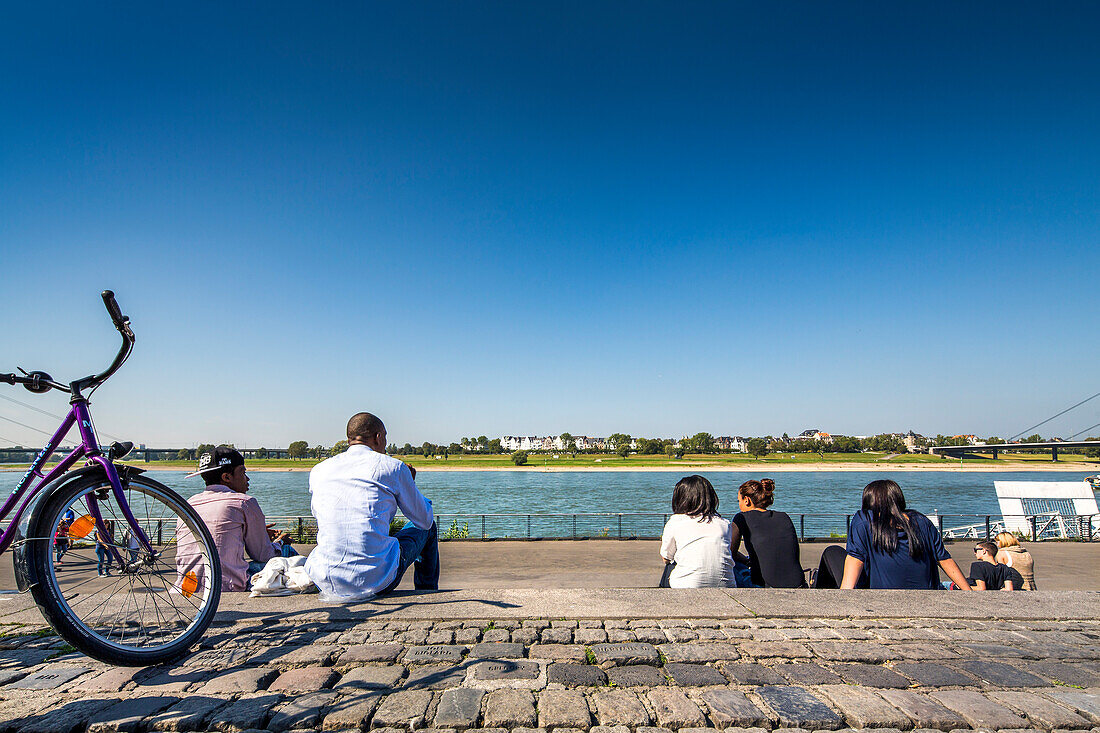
pixel 523 492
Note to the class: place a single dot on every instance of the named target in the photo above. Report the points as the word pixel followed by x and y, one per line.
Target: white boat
pixel 1041 510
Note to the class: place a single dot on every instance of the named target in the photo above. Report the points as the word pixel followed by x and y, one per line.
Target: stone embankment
pixel 319 670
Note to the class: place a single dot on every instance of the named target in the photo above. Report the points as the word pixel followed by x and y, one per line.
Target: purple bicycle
pixel 167 580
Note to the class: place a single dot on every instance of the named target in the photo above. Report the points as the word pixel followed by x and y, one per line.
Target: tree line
pixel 621 444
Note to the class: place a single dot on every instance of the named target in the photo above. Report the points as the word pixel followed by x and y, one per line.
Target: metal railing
pixel 624 526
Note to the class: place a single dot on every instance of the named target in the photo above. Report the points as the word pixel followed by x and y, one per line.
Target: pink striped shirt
pixel 238 526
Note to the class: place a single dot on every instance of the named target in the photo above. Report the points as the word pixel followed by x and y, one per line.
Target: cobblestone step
pixel 567 676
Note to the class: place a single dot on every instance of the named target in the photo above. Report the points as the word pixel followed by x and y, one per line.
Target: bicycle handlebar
pixel 35 382
pixel 122 323
pixel 112 308
pixel 42 382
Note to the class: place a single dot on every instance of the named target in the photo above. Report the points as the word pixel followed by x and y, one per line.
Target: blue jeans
pixel 419 547
pixel 103 558
pixel 742 575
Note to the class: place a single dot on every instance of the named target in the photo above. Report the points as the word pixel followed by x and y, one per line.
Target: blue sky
pixel 490 218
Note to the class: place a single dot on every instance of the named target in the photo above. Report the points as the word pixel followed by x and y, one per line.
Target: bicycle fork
pixel 93 508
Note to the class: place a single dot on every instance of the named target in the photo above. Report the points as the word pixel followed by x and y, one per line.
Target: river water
pixel 532 492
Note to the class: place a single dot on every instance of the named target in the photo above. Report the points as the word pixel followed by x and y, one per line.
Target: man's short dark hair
pixel 364 425
pixel 988 547
pixel 213 478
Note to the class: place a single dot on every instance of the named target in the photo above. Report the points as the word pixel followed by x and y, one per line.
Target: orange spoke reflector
pixel 82 527
pixel 190 584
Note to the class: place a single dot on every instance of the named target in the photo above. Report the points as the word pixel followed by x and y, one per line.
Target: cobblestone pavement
pixel 607 676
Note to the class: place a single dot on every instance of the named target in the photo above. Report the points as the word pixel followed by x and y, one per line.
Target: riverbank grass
pixel 563 461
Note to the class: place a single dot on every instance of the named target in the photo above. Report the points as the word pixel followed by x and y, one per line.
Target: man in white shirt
pixel 355 496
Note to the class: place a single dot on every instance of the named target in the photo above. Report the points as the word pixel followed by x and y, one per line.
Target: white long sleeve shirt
pixel 355 495
pixel 701 551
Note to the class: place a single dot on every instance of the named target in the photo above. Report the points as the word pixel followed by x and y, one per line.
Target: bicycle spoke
pixel 169 593
pixel 143 605
pixel 156 610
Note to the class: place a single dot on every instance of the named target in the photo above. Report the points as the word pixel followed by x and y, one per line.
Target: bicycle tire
pixel 171 632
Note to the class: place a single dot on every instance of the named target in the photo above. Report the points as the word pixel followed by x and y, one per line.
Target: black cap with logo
pixel 221 459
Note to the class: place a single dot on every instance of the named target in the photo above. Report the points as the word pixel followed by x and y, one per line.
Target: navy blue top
pixel 898 570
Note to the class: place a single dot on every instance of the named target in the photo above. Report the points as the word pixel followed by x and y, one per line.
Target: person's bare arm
pixel 668 550
pixel 979 585
pixel 735 544
pixel 852 569
pixel 1009 585
pixel 257 542
pixel 952 569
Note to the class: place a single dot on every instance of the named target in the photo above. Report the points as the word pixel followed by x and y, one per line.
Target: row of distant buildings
pixel 732 443
pixel 914 442
pixel 554 442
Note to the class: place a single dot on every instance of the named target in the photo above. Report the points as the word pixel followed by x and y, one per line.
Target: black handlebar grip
pixel 112 306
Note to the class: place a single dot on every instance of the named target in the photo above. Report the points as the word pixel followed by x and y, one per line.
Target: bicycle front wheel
pixel 128 606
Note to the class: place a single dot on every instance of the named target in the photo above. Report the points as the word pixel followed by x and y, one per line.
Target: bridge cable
pixel 50 414
pixel 1063 412
pixel 39 410
pixel 28 427
pixel 1097 425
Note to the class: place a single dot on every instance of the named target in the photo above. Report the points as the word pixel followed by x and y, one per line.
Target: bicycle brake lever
pixel 39 381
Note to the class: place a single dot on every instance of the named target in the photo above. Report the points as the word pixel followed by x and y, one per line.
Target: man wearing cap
pixel 234 519
pixel 355 497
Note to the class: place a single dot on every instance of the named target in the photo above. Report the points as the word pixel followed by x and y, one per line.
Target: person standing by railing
pixel 103 557
pixel 61 541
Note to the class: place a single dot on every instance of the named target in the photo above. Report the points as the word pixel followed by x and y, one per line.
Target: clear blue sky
pixel 517 218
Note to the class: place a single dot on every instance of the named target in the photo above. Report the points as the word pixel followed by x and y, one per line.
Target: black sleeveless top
pixel 772 546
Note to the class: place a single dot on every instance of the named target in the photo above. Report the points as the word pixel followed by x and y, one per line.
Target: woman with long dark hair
pixel 696 541
pixel 895 547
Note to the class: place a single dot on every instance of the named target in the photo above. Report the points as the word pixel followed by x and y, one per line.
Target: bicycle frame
pixel 89 448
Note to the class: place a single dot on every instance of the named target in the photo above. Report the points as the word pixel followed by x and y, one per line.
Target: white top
pixel 701 551
pixel 355 495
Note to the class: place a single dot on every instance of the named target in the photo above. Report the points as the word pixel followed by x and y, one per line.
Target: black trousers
pixel 831 569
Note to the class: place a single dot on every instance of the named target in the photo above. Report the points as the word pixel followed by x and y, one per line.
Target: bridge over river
pixel 1053 446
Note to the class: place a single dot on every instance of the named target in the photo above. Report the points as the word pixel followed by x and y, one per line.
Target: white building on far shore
pixel 734 443
pixel 550 442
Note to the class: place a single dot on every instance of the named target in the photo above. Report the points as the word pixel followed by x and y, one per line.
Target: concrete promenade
pixel 577 659
pixel 636 563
